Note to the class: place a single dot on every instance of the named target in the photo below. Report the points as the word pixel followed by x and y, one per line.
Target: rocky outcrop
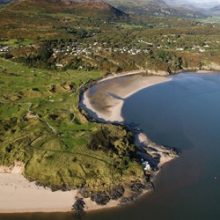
pixel 117 192
pixel 78 207
pixel 101 198
pixel 137 187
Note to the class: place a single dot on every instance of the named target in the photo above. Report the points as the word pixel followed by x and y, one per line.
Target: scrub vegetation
pixel 48 53
pixel 42 127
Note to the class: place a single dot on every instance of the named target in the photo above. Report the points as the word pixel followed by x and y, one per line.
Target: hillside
pixel 195 4
pixel 52 18
pixel 50 50
pixel 208 8
pixel 154 8
pixel 215 10
pixel 97 8
pixel 4 1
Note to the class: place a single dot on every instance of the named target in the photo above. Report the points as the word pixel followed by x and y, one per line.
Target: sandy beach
pixel 18 195
pixel 105 101
pixel 112 91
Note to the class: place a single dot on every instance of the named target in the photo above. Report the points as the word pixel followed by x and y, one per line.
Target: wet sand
pixel 106 98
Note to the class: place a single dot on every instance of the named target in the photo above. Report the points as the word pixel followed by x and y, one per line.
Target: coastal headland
pixel 101 102
pixel 104 100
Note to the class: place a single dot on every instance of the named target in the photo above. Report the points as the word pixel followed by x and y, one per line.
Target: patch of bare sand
pixel 106 98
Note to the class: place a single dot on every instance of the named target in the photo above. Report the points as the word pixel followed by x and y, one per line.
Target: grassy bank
pixel 48 55
pixel 42 127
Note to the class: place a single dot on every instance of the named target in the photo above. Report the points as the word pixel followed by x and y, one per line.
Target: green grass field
pixel 42 126
pixel 212 20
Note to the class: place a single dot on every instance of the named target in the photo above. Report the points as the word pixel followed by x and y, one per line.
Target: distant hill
pixel 113 8
pixel 208 8
pixel 154 8
pixel 55 18
pixel 215 10
pixel 91 8
pixel 198 4
pixel 5 1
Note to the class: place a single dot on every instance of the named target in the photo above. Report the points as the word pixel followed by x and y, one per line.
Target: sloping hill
pixel 97 8
pixel 4 2
pixel 215 10
pixel 52 18
pixel 205 4
pixel 154 8
pixel 209 8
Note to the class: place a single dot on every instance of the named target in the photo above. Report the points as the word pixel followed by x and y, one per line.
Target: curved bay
pixel 182 113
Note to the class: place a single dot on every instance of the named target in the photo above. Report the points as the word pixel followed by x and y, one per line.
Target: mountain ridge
pixel 84 7
pixel 215 11
pixel 122 8
pixel 155 8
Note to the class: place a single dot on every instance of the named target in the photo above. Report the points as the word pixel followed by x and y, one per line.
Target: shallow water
pixel 182 113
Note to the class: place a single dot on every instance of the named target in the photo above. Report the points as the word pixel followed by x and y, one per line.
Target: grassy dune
pixel 40 125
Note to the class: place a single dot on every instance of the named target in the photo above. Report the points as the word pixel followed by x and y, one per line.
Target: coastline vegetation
pixel 47 56
pixel 42 127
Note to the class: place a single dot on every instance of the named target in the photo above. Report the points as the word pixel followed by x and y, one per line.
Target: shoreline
pixel 15 186
pixel 111 113
pixel 26 197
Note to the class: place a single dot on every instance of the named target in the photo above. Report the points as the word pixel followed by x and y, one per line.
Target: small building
pixel 146 165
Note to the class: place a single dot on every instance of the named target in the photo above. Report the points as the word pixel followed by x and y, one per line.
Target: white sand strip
pixel 113 113
pixel 19 195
